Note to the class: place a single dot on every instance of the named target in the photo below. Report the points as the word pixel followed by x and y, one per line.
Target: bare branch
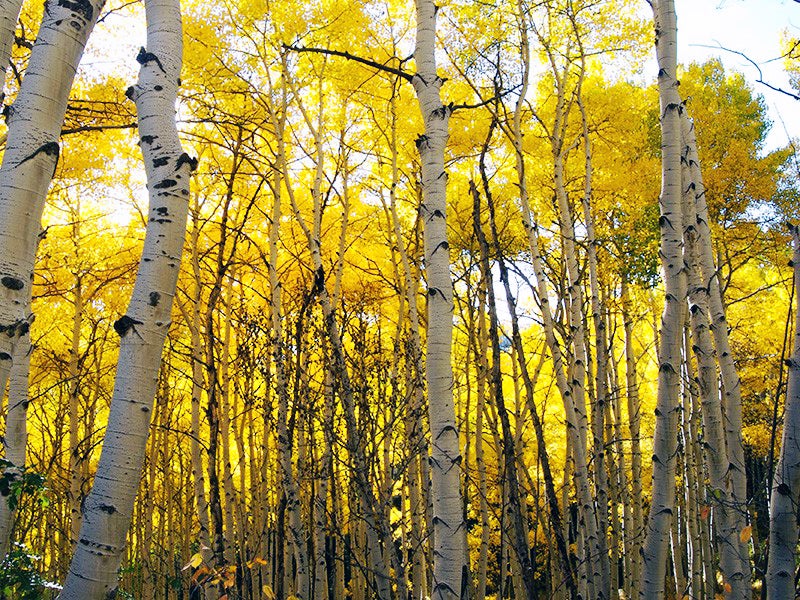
pixel 364 61
pixel 756 65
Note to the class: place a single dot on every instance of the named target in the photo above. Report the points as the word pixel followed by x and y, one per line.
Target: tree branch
pixel 353 57
pixel 757 67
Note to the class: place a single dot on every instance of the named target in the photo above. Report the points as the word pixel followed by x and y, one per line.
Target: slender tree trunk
pixel 516 506
pixel 16 432
pixel 143 329
pixel 655 551
pixel 450 566
pixel 9 15
pixel 739 575
pixel 783 528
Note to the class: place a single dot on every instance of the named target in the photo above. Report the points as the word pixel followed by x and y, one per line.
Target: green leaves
pixel 17 483
pixel 19 577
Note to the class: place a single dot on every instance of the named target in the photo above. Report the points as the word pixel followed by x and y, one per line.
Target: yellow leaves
pixel 268 593
pixel 573 549
pixel 746 534
pixel 194 562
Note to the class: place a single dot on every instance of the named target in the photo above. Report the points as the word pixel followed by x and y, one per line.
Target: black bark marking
pixel 107 508
pixel 149 139
pixel 49 149
pixel 162 211
pixel 82 7
pixel 129 93
pixel 185 158
pixel 145 57
pixel 443 244
pixel 422 142
pixel 154 298
pixel 158 88
pixel 784 490
pixel 5 356
pixel 165 183
pixel 160 161
pixel 12 283
pixel 319 281
pixel 446 428
pixel 125 324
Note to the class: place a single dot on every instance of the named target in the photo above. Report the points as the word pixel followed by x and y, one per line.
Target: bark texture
pixel 143 329
pixel 449 563
pixel 783 525
pixel 655 552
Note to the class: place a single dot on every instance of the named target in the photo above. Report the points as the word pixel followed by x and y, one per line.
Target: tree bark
pixel 655 551
pixel 783 527
pixel 143 329
pixel 450 566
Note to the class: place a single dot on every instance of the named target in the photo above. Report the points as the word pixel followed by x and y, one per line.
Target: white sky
pixel 755 28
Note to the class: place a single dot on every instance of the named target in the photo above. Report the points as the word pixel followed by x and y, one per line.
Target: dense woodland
pixel 472 301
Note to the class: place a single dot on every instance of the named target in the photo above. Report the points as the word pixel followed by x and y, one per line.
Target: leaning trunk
pixel 108 508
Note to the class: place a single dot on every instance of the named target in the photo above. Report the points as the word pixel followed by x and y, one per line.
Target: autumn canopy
pixel 392 300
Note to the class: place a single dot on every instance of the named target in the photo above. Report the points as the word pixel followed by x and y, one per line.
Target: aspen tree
pixel 450 560
pixel 739 575
pixel 16 431
pixel 716 450
pixel 34 124
pixel 516 505
pixel 783 528
pixel 193 321
pixel 634 420
pixel 288 481
pixel 655 551
pixel 143 329
pixel 413 424
pixel 9 14
pixel 31 154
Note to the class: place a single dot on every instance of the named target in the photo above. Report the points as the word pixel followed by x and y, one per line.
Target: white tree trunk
pixel 450 557
pixel 783 528
pixel 9 15
pixel 109 506
pixel 740 574
pixel 29 161
pixel 655 552
pixel 16 433
pixel 34 125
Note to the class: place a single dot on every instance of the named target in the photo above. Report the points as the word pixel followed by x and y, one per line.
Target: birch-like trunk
pixel 716 451
pixel 450 556
pixel 143 329
pixel 655 552
pixel 783 527
pixel 34 125
pixel 739 575
pixel 9 15
pixel 16 433
pixel 634 421
pixel 517 506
